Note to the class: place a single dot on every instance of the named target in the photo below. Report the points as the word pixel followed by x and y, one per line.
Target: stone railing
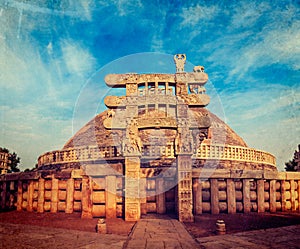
pixel 216 191
pixel 205 151
pixel 67 192
pixel 79 154
pixel 235 153
pixel 232 191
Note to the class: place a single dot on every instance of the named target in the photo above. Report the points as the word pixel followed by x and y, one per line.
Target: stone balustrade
pixel 205 151
pixel 214 191
pixel 234 153
pixel 79 154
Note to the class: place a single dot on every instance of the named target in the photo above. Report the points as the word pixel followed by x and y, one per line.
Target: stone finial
pixel 179 60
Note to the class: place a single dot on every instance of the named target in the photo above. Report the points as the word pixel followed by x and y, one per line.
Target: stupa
pixel 159 130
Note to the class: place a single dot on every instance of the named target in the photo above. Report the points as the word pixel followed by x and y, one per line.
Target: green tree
pixel 4 150
pixel 14 161
pixel 290 165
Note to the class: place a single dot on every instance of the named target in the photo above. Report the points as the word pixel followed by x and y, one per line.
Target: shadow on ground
pixel 205 224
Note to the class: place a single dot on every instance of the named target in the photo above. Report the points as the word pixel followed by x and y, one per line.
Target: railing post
pixel 86 198
pixel 197 194
pixel 30 196
pixel 214 193
pixel 54 195
pixel 110 197
pixel 70 196
pixel 3 195
pixel 20 195
pixel 246 196
pixel 41 196
pixel 260 196
pixel 231 200
pixel 283 196
pixel 273 196
pixel 293 199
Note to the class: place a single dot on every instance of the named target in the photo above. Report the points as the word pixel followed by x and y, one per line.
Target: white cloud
pixel 266 117
pixel 276 41
pixel 38 87
pixel 77 58
pixel 157 44
pixel 17 71
pixel 127 7
pixel 29 130
pixel 192 16
pixel 195 18
pixel 263 100
pixel 277 46
pixel 76 8
pixel 247 13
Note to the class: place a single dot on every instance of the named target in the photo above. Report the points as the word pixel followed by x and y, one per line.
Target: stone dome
pixel 161 117
pixel 95 134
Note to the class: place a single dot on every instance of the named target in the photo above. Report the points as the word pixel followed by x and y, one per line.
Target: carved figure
pixel 183 142
pixel 178 143
pixel 197 89
pixel 132 142
pixel 198 69
pixel 193 88
pixel 186 145
pixel 179 60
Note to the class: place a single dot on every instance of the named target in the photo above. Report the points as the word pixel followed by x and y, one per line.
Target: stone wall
pixel 213 191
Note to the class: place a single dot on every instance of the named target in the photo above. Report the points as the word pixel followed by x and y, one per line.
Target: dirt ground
pixel 66 221
pixel 204 225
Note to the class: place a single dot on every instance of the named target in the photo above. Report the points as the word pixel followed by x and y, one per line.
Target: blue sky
pixel 50 50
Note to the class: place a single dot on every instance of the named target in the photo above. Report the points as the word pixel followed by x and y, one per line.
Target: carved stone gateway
pixel 158 101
